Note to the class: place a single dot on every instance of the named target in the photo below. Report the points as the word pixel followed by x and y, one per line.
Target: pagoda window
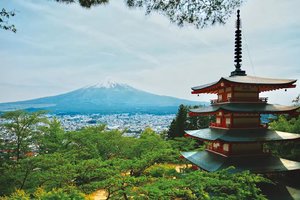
pixel 220 97
pixel 216 145
pixel 228 89
pixel 229 95
pixel 209 146
pixel 218 120
pixel 228 121
pixel 226 147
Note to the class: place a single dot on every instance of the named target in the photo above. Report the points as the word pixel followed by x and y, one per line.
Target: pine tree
pixel 184 122
pixel 179 123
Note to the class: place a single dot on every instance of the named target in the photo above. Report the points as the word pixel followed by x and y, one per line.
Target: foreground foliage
pixel 289 150
pixel 5 15
pixel 67 165
pixel 185 12
pixel 183 122
pixel 197 13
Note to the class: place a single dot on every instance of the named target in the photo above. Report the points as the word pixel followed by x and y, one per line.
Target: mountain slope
pixel 103 98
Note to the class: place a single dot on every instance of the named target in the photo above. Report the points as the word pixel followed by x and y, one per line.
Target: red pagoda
pixel 237 136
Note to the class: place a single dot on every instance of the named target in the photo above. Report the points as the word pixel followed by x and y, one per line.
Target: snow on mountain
pixel 106 84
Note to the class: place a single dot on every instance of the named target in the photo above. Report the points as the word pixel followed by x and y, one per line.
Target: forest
pixel 42 161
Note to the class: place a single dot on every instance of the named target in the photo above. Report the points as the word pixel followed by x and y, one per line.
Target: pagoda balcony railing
pixel 214 101
pixel 214 124
pixel 263 99
pixel 240 99
pixel 246 126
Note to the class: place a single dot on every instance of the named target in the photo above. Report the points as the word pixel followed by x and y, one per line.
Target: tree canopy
pixel 67 165
pixel 289 150
pixel 184 122
pixel 4 20
pixel 198 13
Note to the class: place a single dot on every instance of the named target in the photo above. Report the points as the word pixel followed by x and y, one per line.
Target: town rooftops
pixel 264 84
pixel 238 135
pixel 265 163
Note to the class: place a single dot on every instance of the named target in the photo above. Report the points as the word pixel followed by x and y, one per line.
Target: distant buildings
pixel 133 124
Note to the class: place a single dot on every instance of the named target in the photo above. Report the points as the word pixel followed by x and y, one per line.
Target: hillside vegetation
pixel 39 160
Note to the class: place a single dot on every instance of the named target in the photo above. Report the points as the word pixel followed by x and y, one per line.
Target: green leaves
pixel 52 138
pixel 185 12
pixel 21 132
pixel 199 14
pixel 4 17
pixel 179 124
pixel 189 12
pixel 125 167
pixel 289 150
pixel 41 194
pixel 224 185
pixel 184 122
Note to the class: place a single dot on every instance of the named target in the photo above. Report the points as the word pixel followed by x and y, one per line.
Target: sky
pixel 59 48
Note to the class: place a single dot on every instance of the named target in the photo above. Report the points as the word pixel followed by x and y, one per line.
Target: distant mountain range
pixel 105 98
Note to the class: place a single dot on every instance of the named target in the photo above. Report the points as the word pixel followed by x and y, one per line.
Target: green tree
pixel 197 122
pixel 18 175
pixel 297 100
pixel 186 12
pixel 198 13
pixel 52 138
pixel 178 125
pixel 149 141
pixel 289 150
pixel 65 194
pixel 41 194
pixel 4 20
pixel 21 131
pixel 126 167
pixel 17 195
pixel 90 142
pixel 163 183
pixel 184 122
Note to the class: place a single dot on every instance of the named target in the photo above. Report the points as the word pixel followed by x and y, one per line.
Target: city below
pixel 132 123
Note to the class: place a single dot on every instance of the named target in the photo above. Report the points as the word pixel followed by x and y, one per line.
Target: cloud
pixel 62 47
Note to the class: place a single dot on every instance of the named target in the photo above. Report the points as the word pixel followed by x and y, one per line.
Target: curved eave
pixel 211 162
pixel 243 108
pixel 264 84
pixel 207 88
pixel 241 136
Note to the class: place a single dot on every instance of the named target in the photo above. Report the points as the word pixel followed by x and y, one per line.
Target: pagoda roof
pixel 265 84
pixel 243 108
pixel 241 135
pixel 265 163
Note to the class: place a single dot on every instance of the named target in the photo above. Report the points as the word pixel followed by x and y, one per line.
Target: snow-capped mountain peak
pixel 106 97
pixel 106 84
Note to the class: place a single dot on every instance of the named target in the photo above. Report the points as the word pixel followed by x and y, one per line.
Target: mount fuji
pixel 105 98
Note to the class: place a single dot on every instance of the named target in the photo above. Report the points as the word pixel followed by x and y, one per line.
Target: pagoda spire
pixel 238 49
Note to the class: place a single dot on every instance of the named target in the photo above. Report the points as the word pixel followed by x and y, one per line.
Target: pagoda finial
pixel 238 49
